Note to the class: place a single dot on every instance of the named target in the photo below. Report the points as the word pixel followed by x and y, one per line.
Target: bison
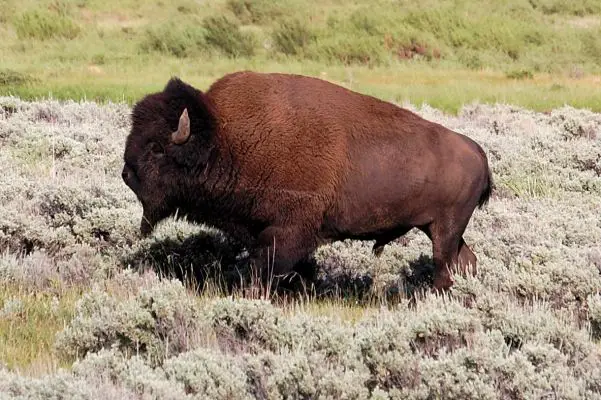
pixel 286 163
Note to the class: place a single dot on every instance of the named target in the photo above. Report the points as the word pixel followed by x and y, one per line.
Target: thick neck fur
pixel 215 196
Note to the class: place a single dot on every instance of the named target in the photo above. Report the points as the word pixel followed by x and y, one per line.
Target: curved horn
pixel 183 129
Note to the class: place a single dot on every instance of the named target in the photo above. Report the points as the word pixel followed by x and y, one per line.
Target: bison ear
pixel 182 133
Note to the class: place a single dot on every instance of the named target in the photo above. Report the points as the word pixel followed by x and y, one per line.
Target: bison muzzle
pixel 286 163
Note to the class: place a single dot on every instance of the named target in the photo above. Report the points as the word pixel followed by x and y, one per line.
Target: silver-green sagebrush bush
pixel 527 326
pixel 160 320
pixel 439 347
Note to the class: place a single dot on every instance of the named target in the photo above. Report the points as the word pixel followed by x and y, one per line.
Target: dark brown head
pixel 169 143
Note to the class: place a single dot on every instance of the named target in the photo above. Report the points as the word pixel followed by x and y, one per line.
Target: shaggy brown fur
pixel 293 162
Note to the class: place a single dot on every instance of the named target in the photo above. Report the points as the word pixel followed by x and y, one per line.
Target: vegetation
pixel 540 54
pixel 90 310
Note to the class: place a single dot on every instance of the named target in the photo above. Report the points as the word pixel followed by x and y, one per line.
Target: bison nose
pixel 130 178
pixel 128 175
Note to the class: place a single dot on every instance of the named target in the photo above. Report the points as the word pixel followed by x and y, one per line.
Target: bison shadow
pixel 196 259
pixel 206 257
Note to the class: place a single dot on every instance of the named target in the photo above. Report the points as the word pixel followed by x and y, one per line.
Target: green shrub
pixel 457 31
pixel 520 74
pixel 225 36
pixel 591 43
pixel 292 37
pixel 179 39
pixel 470 58
pixel 350 40
pixel 43 25
pixel 98 59
pixel 11 78
pixel 349 51
pixel 576 7
pixel 365 36
pixel 258 11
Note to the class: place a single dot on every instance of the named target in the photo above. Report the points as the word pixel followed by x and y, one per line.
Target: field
pixel 89 310
pixel 83 307
pixel 539 54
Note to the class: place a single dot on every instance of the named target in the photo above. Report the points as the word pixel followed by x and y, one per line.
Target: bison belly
pixel 388 194
pixel 375 208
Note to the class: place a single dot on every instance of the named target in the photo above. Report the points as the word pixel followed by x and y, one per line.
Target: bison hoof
pixel 377 250
pixel 443 284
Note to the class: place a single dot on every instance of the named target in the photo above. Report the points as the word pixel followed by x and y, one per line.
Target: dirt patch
pixel 111 20
pixel 588 22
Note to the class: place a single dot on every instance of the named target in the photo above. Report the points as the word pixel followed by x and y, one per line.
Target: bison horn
pixel 183 129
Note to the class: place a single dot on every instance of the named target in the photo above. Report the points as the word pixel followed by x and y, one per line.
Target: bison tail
pixel 486 193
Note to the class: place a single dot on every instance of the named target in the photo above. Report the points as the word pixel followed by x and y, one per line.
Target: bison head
pixel 170 142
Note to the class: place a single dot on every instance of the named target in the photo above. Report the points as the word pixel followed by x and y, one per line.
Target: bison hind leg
pixel 445 246
pixel 388 237
pixel 467 260
pixel 450 252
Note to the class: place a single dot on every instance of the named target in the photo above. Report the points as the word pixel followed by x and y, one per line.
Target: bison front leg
pixel 280 249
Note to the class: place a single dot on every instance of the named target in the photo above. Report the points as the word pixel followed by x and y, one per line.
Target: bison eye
pixel 156 148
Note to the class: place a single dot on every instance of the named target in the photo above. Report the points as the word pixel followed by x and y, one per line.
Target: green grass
pixel 531 185
pixel 538 54
pixel 29 323
pixel 445 89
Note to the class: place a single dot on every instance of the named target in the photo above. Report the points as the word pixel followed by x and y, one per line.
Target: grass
pixel 539 54
pixel 29 323
pixel 530 186
pixel 446 89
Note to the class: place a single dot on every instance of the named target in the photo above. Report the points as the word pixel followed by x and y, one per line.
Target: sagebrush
pixel 157 317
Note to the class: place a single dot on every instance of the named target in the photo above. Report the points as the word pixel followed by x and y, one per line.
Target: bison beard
pixel 295 162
